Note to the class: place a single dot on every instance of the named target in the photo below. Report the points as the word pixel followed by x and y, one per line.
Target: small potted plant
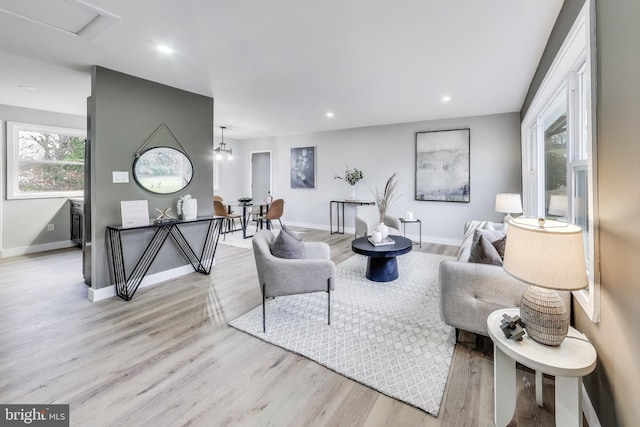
pixel 351 177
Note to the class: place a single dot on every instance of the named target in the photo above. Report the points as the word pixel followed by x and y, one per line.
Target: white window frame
pixel 573 59
pixel 13 161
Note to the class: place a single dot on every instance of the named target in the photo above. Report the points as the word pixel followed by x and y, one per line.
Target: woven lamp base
pixel 544 315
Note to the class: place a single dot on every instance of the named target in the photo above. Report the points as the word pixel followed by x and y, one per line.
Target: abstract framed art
pixel 442 165
pixel 303 167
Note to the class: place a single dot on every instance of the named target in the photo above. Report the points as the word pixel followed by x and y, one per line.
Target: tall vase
pixel 383 230
pixel 352 192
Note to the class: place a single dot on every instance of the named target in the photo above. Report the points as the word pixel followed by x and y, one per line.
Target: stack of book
pixel 383 242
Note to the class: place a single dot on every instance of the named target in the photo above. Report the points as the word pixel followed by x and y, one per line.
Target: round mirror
pixel 163 170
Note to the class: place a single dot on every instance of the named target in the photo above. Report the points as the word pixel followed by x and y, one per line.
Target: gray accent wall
pixel 24 222
pixel 124 112
pixel 379 151
pixel 613 388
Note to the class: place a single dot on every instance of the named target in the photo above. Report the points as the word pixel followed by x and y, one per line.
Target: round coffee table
pixel 382 265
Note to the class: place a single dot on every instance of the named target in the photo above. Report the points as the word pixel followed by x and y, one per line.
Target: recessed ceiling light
pixel 446 98
pixel 27 87
pixel 329 114
pixel 164 49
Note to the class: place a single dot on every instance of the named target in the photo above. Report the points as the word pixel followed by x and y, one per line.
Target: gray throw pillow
pixel 291 233
pixel 287 246
pixel 482 249
pixel 500 245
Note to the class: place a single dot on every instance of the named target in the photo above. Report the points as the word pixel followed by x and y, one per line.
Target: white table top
pixel 574 357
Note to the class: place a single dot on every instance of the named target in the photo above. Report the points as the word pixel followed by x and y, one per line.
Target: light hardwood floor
pixel 168 358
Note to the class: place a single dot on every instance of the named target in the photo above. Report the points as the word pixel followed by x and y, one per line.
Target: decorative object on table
pixel 187 207
pixel 508 203
pixel 381 242
pixel 268 199
pixel 409 216
pixel 384 200
pixel 376 237
pixel 512 327
pixel 351 177
pixel 134 213
pixel 222 149
pixel 404 317
pixel 442 165
pixel 548 255
pixel 245 200
pixel 164 213
pixel 303 167
pixel 162 170
pixel 368 218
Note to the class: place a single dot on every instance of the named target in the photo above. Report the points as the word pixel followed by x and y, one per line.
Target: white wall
pixel 23 222
pixel 379 151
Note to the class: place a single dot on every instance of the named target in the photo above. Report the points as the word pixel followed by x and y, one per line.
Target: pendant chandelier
pixel 222 148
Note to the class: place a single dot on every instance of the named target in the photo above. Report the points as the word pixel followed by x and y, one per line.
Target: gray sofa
pixel 469 291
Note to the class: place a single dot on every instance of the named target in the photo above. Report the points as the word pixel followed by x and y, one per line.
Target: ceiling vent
pixel 71 17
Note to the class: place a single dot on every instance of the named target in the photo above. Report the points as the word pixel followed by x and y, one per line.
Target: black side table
pixel 405 221
pixel 382 265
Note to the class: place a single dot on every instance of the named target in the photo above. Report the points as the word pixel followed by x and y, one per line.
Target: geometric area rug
pixel 387 336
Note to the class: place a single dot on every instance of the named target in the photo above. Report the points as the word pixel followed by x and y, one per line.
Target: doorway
pixel 260 174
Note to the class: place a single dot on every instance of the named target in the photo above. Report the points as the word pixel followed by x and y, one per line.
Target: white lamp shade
pixel 508 203
pixel 558 205
pixel 550 257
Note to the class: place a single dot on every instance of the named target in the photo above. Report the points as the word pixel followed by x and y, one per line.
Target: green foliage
pixel 555 170
pixel 352 176
pixel 38 154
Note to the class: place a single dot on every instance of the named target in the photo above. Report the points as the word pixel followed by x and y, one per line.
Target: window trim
pixel 574 56
pixel 13 162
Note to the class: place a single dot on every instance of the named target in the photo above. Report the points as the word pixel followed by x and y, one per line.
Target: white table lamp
pixel 508 203
pixel 558 205
pixel 549 256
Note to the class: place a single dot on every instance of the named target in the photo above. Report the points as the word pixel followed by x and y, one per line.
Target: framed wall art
pixel 303 167
pixel 442 165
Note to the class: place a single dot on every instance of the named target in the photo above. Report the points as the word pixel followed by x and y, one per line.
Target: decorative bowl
pixel 245 199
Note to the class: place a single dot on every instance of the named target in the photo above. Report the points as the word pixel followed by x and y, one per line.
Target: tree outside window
pixel 46 161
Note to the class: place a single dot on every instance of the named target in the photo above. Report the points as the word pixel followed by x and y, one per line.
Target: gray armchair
pixel 280 277
pixel 368 217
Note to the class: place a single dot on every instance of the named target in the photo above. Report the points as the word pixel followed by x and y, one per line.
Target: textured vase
pixel 545 317
pixel 383 230
pixel 190 209
pixel 352 192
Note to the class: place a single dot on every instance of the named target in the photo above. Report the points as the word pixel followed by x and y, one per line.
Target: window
pixel 558 148
pixel 44 161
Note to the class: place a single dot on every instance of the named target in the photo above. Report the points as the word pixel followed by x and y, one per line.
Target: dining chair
pixel 274 212
pixel 219 209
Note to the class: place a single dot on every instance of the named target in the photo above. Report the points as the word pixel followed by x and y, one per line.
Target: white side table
pixel 568 362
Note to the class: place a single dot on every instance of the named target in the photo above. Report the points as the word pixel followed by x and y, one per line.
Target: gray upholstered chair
pixel 280 277
pixel 368 217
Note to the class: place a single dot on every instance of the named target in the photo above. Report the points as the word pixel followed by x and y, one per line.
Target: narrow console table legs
pixel 126 286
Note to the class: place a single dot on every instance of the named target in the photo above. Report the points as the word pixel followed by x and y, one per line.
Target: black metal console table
pixel 126 286
pixel 343 202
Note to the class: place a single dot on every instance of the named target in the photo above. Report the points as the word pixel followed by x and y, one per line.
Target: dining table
pixel 247 208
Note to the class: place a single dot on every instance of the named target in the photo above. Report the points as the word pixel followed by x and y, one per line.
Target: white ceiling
pixel 275 67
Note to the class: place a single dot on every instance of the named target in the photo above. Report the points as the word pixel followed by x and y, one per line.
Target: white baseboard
pixel 24 250
pixel 415 237
pixel 95 295
pixel 588 410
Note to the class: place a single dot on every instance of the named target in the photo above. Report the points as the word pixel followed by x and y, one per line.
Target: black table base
pixel 382 269
pixel 382 265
